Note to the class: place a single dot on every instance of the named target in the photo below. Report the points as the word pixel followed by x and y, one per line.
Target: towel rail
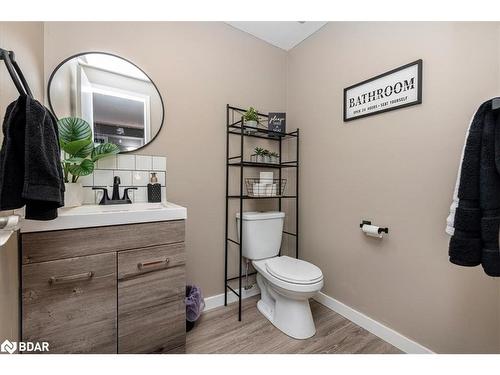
pixel 15 72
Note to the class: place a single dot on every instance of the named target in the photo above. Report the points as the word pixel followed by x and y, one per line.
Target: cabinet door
pixel 71 304
pixel 151 309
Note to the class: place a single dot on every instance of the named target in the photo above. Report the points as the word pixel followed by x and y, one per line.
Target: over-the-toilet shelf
pixel 268 186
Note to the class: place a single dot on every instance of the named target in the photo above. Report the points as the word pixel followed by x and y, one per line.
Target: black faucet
pixel 115 198
pixel 116 190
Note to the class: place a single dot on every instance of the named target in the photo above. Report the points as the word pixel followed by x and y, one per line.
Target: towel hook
pixel 15 72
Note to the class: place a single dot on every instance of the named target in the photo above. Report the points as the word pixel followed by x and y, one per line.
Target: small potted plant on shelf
pixel 79 156
pixel 251 118
pixel 267 156
pixel 258 156
pixel 275 157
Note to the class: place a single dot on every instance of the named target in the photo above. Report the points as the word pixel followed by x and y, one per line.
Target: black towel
pixel 30 168
pixel 477 216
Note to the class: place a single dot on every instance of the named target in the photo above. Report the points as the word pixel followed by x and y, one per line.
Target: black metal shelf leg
pixel 241 223
pixel 297 201
pixel 227 208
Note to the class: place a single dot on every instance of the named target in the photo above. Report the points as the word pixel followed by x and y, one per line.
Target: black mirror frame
pixel 114 55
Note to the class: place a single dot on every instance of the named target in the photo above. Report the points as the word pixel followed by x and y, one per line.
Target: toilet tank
pixel 262 232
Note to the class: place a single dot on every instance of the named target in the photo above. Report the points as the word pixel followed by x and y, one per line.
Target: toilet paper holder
pixel 380 230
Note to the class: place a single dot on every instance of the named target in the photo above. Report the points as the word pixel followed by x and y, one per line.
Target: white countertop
pixel 96 216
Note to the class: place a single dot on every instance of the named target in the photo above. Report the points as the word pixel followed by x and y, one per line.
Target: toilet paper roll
pixel 259 189
pixel 371 230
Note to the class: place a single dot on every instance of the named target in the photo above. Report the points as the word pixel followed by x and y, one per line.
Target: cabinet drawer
pixel 71 303
pixel 44 246
pixel 151 309
pixel 132 263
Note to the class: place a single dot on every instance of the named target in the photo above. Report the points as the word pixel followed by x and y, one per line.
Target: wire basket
pixel 257 187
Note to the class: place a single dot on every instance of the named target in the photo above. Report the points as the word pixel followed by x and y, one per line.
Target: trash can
pixel 194 305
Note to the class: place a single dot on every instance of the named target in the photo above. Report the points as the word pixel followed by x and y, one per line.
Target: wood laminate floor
pixel 218 331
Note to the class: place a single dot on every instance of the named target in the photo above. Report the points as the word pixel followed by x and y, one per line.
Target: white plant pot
pixel 73 194
pixel 252 125
pixel 267 159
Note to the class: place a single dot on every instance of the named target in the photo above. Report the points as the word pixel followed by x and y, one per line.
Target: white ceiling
pixel 282 34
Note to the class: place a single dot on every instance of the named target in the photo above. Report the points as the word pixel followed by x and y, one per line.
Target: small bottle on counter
pixel 154 189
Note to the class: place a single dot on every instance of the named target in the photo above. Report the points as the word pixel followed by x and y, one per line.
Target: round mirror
pixel 119 101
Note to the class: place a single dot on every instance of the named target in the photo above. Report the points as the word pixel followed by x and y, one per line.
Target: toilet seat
pixel 293 270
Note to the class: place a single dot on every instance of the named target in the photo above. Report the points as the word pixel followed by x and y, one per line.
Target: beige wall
pixel 198 68
pixel 399 169
pixel 26 40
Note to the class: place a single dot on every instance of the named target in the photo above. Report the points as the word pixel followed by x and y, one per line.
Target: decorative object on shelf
pixel 262 155
pixel 398 88
pixel 276 122
pixel 266 156
pixel 79 156
pixel 275 157
pixel 154 189
pixel 258 157
pixel 257 187
pixel 251 117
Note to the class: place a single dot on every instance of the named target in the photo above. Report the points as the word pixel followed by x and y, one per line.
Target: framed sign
pixel 277 122
pixel 398 88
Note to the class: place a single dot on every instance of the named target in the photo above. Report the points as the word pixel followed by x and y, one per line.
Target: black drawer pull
pixel 156 263
pixel 70 278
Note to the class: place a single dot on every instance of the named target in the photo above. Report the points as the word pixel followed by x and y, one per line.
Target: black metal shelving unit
pixel 235 126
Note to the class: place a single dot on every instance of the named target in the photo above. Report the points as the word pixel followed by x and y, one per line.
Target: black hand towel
pixel 476 224
pixel 30 168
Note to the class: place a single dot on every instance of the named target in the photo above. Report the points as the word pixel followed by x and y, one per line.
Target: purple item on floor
pixel 194 303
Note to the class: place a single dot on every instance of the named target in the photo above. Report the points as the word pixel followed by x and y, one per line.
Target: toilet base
pixel 290 314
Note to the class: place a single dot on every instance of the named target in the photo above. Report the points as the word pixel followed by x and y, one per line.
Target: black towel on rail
pixel 30 168
pixel 476 219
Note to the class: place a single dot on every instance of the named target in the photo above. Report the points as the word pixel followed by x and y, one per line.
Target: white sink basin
pixel 97 216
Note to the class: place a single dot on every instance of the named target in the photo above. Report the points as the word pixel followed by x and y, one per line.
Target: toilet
pixel 285 283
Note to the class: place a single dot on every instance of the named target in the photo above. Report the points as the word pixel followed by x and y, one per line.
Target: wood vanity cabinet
pixel 114 289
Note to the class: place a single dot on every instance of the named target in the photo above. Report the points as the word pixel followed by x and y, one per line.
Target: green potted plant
pixel 251 118
pixel 258 156
pixel 275 157
pixel 79 154
pixel 266 156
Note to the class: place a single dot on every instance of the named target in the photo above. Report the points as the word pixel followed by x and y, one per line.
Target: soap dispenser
pixel 154 189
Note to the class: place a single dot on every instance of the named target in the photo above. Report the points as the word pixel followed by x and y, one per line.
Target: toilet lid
pixel 293 270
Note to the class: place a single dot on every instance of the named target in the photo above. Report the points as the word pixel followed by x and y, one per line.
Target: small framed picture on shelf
pixel 277 123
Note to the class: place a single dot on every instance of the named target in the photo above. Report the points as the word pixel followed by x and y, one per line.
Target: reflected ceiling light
pixel 114 64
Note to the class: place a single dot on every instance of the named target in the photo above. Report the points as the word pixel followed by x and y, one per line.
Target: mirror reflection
pixel 117 98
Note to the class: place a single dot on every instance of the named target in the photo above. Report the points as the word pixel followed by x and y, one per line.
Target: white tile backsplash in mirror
pixel 133 170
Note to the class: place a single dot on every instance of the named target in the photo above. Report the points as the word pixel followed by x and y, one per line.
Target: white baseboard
pixel 218 300
pixel 394 338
